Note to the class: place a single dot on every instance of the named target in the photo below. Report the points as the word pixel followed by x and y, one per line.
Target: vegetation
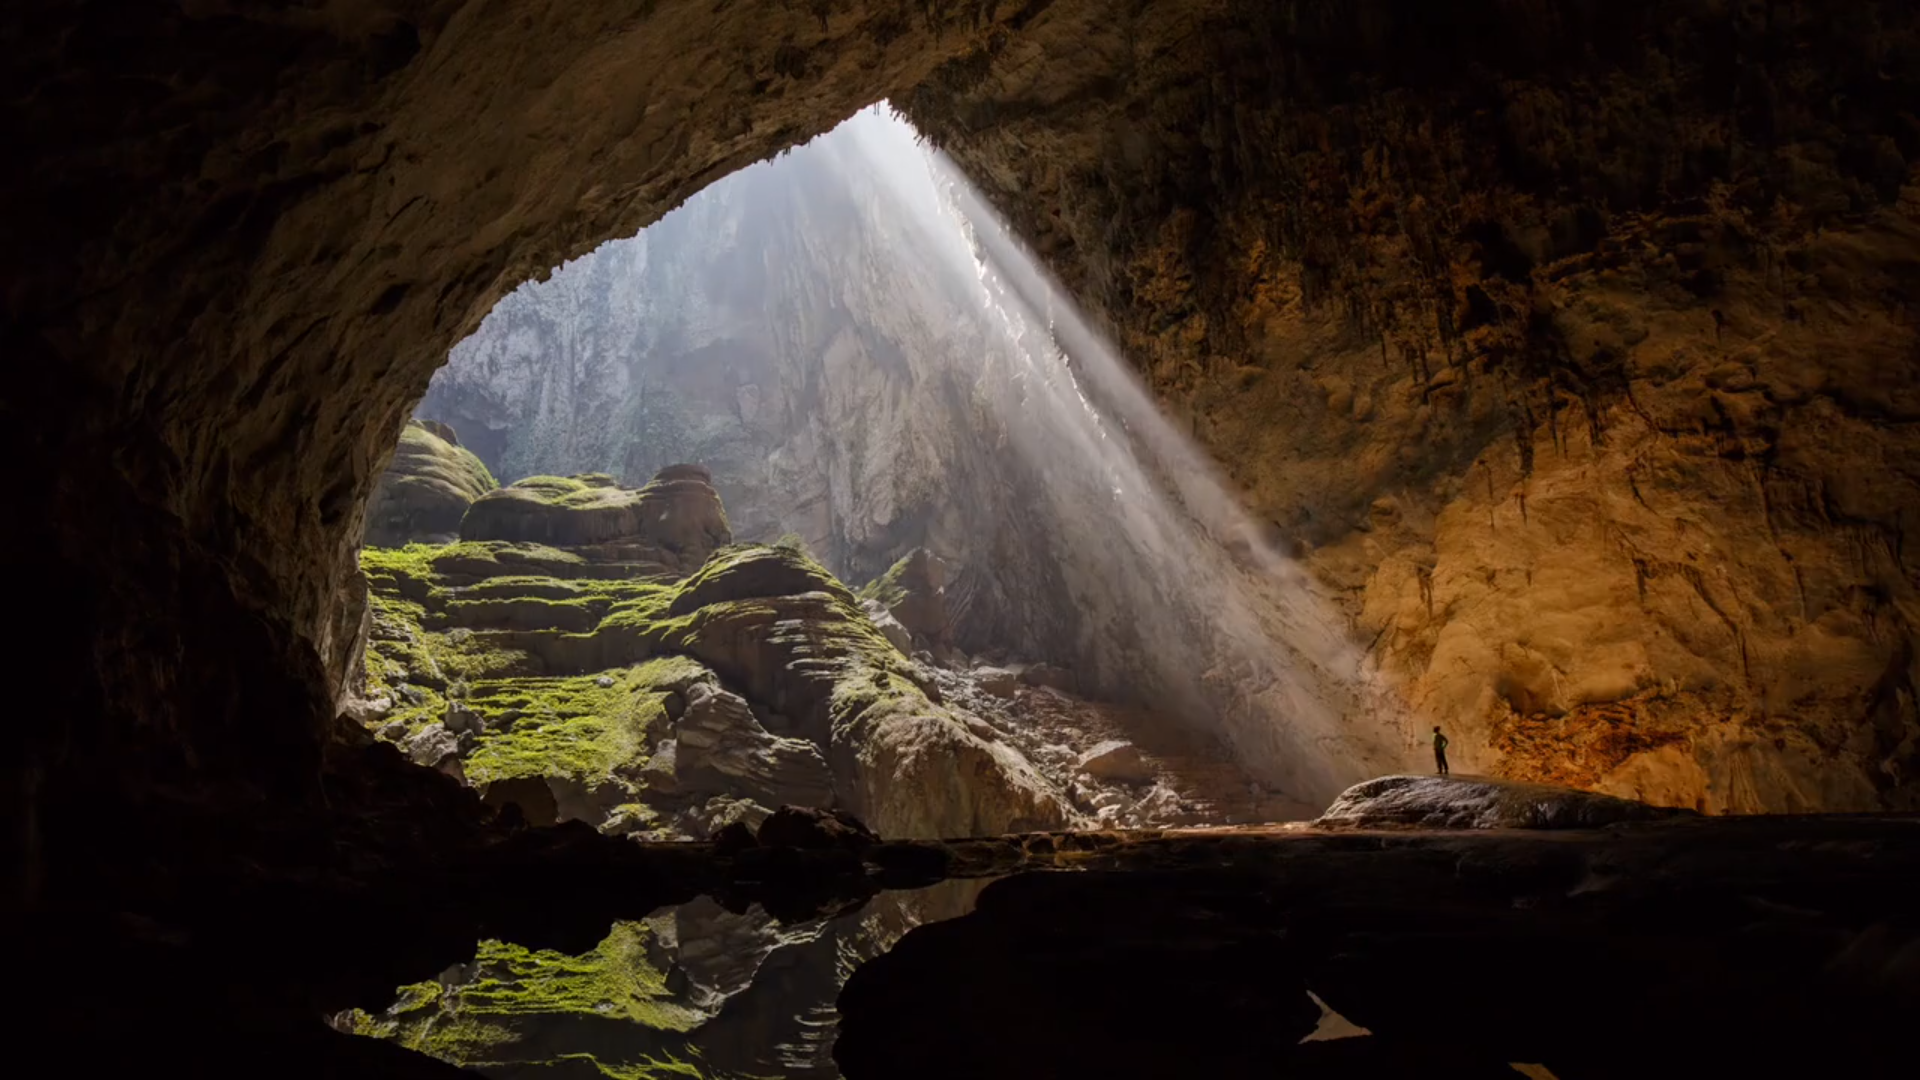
pixel 887 588
pixel 571 727
pixel 783 627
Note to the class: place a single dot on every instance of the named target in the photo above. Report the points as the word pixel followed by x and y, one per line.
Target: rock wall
pixel 1570 344
pixel 777 329
pixel 243 239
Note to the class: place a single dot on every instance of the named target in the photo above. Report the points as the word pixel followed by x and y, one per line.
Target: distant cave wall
pixel 1572 344
pixel 788 329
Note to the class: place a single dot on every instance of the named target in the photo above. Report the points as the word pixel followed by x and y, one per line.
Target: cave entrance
pixel 681 533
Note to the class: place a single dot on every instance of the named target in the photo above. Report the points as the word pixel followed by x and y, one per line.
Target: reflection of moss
pixel 648 1068
pixel 615 980
pixel 511 993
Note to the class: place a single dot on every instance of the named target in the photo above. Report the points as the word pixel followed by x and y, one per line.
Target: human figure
pixel 1439 751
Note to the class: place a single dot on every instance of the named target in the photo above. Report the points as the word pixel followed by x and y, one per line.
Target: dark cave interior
pixel 242 238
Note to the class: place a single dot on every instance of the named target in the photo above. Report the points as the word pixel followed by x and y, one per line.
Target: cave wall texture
pixel 1609 295
pixel 1571 345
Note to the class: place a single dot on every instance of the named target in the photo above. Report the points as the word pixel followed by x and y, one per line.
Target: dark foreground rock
pixel 1733 947
pixel 1477 802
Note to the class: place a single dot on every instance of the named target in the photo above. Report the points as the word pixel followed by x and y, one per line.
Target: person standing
pixel 1439 751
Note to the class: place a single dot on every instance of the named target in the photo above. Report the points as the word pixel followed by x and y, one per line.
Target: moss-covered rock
pixel 913 592
pixel 552 674
pixel 427 487
pixel 676 521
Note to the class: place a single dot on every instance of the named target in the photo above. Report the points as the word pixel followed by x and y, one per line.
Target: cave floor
pixel 1765 946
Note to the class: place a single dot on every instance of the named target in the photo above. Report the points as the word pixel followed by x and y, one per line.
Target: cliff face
pixel 778 329
pixel 1569 344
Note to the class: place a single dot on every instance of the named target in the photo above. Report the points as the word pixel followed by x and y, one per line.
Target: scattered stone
pixel 604 682
pixel 812 829
pixel 412 694
pixel 393 731
pixel 1117 760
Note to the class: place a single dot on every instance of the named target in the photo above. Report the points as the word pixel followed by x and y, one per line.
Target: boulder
pixel 890 628
pixel 815 830
pixel 1116 760
pixel 1448 802
pixel 998 681
pixel 913 591
pixel 426 489
pixel 431 745
pixel 753 572
pixel 459 719
pixel 677 518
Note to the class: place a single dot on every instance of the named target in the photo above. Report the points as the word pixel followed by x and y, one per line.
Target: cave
pixel 1564 351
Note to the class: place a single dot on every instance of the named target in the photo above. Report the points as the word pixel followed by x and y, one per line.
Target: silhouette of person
pixel 1439 751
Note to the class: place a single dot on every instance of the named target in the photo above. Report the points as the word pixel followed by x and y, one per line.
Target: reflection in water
pixel 695 991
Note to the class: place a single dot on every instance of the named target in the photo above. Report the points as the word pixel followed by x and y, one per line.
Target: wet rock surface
pixel 1764 946
pixel 1471 802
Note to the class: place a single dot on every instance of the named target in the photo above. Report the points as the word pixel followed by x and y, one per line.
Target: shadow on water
pixel 696 990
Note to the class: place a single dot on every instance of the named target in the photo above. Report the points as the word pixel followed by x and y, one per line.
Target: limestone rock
pixel 721 745
pixel 680 517
pixel 431 745
pixel 426 489
pixel 891 628
pixel 914 592
pixel 998 681
pixel 1116 760
pixel 1447 802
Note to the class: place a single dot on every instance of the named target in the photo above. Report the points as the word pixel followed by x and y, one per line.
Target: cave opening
pixel 841 369
pixel 1566 344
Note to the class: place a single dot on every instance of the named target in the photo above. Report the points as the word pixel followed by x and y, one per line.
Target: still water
pixel 691 991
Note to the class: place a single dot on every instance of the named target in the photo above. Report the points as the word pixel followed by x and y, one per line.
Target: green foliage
pixel 887 588
pixel 795 543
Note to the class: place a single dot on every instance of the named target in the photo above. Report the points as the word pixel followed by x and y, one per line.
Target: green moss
pixel 887 588
pixel 431 457
pixel 571 727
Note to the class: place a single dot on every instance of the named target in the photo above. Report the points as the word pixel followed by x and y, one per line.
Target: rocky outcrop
pixel 587 678
pixel 1448 802
pixel 427 488
pixel 677 519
